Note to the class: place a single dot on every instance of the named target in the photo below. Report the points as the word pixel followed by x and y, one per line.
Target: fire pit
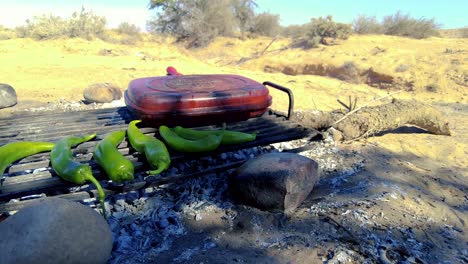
pixel 150 217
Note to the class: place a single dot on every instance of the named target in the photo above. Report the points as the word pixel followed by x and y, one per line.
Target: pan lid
pixel 195 94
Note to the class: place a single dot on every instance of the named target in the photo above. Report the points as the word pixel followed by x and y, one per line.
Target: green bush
pixel 84 25
pixel 266 24
pixel 326 27
pixel 320 28
pixel 315 32
pixel 400 24
pixel 366 25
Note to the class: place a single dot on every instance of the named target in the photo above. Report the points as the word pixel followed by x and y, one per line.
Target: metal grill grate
pixel 33 176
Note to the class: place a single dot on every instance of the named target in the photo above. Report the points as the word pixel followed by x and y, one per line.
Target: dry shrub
pixel 129 40
pixel 87 25
pixel 302 43
pixel 363 24
pixel 6 33
pixel 464 32
pixel 400 24
pixel 43 27
pixel 349 72
pixel 84 24
pixel 128 29
pixel 129 34
pixel 198 22
pixel 266 24
pixel 294 31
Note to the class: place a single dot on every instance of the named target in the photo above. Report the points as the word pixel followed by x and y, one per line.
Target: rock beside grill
pixel 276 182
pixel 54 230
pixel 102 93
pixel 7 96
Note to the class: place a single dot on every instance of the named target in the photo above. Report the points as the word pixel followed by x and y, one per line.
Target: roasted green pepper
pixel 154 149
pixel 230 137
pixel 14 151
pixel 116 166
pixel 207 143
pixel 62 161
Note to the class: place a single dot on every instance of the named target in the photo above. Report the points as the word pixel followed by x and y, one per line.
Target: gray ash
pixel 145 224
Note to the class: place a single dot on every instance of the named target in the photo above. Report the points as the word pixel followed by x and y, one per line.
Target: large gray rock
pixel 102 93
pixel 7 96
pixel 54 230
pixel 276 182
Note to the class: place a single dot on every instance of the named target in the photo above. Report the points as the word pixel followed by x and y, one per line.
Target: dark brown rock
pixel 54 230
pixel 276 182
pixel 102 93
pixel 7 96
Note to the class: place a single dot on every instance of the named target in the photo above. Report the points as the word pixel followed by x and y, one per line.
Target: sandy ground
pixel 411 195
pixel 407 205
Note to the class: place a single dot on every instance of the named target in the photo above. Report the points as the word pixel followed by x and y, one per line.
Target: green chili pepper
pixel 62 161
pixel 116 166
pixel 154 149
pixel 230 137
pixel 14 151
pixel 208 143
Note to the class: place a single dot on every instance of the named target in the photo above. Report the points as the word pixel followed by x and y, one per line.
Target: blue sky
pixel 449 13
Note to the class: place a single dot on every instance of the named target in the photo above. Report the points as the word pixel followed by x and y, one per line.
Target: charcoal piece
pixel 276 182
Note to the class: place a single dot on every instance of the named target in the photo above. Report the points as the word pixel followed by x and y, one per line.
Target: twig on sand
pixel 350 106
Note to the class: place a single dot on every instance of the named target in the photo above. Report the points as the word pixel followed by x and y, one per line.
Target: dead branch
pixel 372 120
pixel 366 121
pixel 256 56
pixel 343 104
pixel 266 48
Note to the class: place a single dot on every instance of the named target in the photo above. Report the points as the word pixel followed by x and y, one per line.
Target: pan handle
pixel 286 90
